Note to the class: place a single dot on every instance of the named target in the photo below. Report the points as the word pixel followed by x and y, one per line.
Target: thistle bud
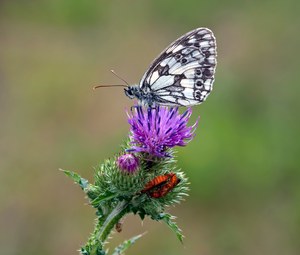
pixel 128 163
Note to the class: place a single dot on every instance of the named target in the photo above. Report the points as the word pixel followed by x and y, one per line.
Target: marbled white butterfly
pixel 182 75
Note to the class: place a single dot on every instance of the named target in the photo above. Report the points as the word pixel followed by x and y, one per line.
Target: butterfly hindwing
pixel 183 74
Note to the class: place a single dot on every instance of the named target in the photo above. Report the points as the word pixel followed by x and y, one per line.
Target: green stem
pixel 104 228
pixel 112 218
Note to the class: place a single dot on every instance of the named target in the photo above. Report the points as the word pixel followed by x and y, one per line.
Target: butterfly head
pixel 132 91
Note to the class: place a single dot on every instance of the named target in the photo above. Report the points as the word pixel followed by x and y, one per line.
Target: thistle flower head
pixel 128 163
pixel 154 130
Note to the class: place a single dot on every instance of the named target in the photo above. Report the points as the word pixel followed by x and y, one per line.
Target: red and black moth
pixel 173 181
pixel 157 181
pixel 161 185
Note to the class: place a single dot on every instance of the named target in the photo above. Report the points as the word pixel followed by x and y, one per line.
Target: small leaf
pixel 167 218
pixel 126 244
pixel 96 202
pixel 83 183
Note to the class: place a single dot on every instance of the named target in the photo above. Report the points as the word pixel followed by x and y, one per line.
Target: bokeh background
pixel 242 165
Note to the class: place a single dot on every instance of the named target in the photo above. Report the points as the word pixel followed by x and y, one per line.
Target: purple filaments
pixel 154 130
pixel 128 163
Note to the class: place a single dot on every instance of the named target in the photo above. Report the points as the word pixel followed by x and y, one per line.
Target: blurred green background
pixel 242 165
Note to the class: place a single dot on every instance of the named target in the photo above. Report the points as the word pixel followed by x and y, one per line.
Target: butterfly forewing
pixel 183 74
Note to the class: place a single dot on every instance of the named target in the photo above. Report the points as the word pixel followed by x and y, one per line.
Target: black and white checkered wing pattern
pixel 183 74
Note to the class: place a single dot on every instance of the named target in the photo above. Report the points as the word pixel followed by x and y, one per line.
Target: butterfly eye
pixel 129 92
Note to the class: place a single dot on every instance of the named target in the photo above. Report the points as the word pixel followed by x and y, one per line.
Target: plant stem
pixel 95 245
pixel 112 218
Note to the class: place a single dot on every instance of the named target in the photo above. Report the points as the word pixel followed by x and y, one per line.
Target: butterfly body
pixel 182 75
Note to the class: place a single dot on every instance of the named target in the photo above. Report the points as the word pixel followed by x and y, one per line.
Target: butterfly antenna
pixel 119 77
pixel 106 86
pixel 114 85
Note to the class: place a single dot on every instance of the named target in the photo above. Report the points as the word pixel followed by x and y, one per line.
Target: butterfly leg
pixel 134 107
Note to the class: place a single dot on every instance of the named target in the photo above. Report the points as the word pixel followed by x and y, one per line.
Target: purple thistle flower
pixel 128 163
pixel 155 130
